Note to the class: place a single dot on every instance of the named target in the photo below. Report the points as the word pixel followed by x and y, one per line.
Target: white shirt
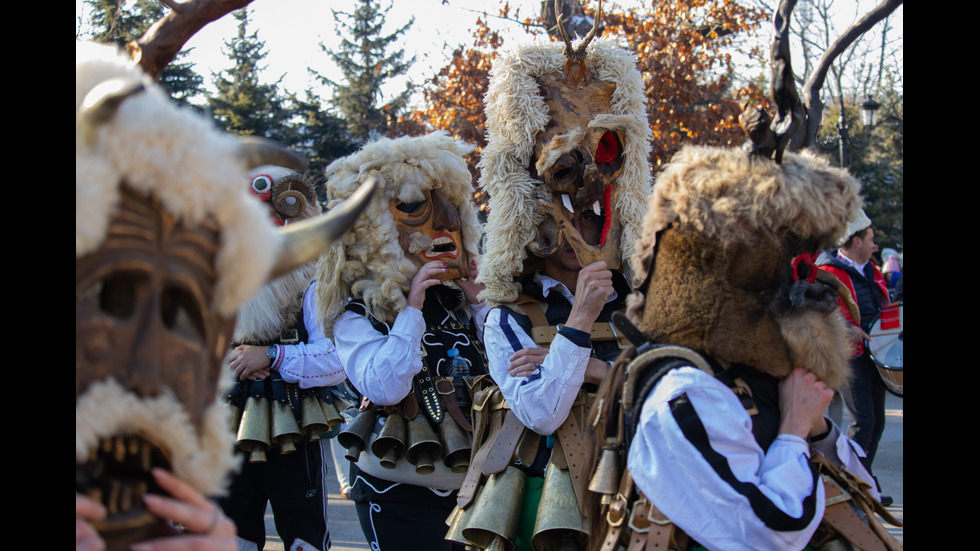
pixel 313 363
pixel 744 498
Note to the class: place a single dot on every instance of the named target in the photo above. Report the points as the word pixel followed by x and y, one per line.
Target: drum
pixel 885 346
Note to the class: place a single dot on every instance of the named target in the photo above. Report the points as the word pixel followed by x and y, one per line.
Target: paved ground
pixel 346 532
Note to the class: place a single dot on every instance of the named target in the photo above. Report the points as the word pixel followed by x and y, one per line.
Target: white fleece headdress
pixel 516 114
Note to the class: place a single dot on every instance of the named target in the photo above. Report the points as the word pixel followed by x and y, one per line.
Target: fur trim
pixel 369 262
pixel 516 114
pixel 274 308
pixel 204 459
pixel 176 156
pixel 717 242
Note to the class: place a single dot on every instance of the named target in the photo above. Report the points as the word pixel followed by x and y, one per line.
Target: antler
pixel 575 73
pixel 162 41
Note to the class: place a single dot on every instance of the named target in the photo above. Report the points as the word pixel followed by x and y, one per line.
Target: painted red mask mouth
pixel 443 246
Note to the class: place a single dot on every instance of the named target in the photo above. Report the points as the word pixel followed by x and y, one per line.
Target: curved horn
pixel 102 102
pixel 307 240
pixel 256 151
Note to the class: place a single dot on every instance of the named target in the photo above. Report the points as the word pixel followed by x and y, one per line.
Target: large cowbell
pixel 578 161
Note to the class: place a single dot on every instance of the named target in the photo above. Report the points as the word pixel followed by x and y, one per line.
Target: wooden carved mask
pixel 430 230
pixel 144 319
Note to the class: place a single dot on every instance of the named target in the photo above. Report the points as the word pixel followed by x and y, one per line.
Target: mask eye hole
pixel 410 208
pixel 117 296
pixel 608 150
pixel 180 312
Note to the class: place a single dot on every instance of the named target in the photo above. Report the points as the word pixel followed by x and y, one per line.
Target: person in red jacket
pixel 864 397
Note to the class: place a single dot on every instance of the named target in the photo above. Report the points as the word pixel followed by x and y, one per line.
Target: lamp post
pixel 844 140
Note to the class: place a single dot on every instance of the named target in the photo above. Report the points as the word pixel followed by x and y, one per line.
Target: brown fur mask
pixel 715 264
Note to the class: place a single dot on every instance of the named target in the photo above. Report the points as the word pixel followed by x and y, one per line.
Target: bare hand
pixel 857 334
pixel 427 276
pixel 207 527
pixel 596 371
pixel 471 289
pixel 593 288
pixel 526 361
pixel 250 363
pixel 86 512
pixel 803 399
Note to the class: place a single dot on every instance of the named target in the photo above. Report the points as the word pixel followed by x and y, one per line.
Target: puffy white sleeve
pixel 313 363
pixel 695 457
pixel 381 367
pixel 543 399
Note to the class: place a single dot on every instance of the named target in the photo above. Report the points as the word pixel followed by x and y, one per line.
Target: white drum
pixel 885 346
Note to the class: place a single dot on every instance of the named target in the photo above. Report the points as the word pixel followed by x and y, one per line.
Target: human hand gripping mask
pixel 566 160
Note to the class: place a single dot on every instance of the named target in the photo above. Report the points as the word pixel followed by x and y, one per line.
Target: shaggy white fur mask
pixel 517 114
pixel 369 262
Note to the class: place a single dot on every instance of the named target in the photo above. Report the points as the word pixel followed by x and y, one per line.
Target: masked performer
pixel 567 174
pixel 403 311
pixel 739 348
pixel 168 244
pixel 289 386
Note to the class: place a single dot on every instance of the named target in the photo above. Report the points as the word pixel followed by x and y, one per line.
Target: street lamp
pixel 844 141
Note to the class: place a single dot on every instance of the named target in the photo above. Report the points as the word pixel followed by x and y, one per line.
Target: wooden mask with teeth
pixel 430 230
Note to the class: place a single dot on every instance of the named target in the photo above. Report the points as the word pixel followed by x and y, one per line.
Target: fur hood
pixel 516 114
pixel 714 269
pixel 368 262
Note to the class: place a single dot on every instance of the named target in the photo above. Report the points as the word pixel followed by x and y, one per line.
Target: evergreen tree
pixel 365 61
pixel 320 135
pixel 119 22
pixel 243 105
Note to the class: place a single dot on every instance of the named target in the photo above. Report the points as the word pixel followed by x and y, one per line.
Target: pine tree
pixel 119 22
pixel 365 61
pixel 243 105
pixel 320 135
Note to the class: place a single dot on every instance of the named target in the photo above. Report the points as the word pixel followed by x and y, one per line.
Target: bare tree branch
pixel 164 39
pixel 811 90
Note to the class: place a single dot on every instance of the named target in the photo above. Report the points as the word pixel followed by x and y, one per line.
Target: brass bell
pixel 390 442
pixel 605 480
pixel 424 448
pixel 494 517
pixel 458 444
pixel 234 416
pixel 330 413
pixel 285 429
pixel 254 432
pixel 355 436
pixel 559 523
pixel 314 422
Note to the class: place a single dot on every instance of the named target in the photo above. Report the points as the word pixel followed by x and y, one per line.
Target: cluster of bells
pixel 559 523
pixel 264 422
pixel 412 439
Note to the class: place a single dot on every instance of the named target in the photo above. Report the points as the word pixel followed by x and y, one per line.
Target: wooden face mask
pixel 144 322
pixel 430 230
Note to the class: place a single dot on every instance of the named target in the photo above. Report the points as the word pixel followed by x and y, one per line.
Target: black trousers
pixel 864 397
pixel 295 485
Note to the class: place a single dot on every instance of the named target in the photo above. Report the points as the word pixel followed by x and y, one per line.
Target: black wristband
pixel 578 338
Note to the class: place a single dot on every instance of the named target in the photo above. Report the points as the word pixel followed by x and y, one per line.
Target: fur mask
pixel 722 266
pixel 602 142
pixel 370 262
